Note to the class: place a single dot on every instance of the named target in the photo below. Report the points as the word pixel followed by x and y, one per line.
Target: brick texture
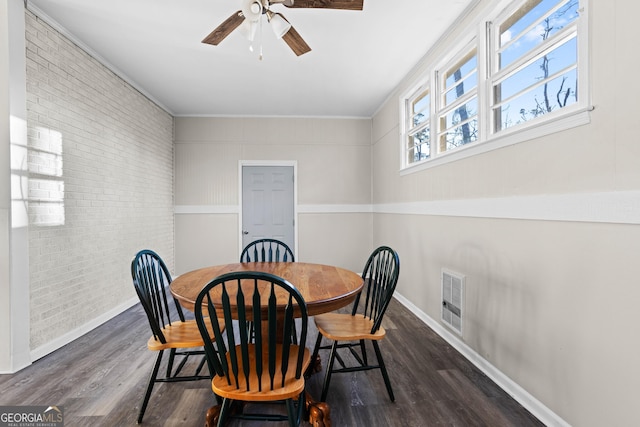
pixel 100 183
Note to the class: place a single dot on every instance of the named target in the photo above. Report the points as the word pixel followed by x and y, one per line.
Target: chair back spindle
pixel 267 250
pixel 272 304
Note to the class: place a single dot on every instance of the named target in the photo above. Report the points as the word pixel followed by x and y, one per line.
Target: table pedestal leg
pixel 319 413
pixel 315 366
pixel 211 419
pixel 213 413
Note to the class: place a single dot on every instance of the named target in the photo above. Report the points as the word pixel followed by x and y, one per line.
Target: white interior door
pixel 268 204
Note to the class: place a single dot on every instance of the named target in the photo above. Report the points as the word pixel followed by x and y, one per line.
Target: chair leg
pixel 364 353
pixel 301 406
pixel 327 375
pixel 292 413
pixel 172 356
pixel 316 349
pixel 315 365
pixel 201 365
pixel 224 411
pixel 152 381
pixel 383 369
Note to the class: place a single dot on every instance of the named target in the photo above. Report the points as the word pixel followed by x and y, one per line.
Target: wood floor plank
pixel 101 377
pixel 480 406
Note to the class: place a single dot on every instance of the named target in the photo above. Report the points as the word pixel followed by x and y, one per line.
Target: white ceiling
pixel 357 57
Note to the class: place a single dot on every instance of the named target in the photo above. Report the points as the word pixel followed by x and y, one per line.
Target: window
pixel 515 77
pixel 535 61
pixel 458 107
pixel 417 145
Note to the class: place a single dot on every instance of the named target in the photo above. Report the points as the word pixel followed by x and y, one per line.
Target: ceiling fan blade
pixel 284 2
pixel 224 29
pixel 327 4
pixel 295 42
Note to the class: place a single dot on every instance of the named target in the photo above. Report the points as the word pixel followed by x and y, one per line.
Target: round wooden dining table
pixel 324 288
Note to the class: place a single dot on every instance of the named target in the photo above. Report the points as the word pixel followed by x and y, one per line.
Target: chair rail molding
pixel 621 207
pixel 617 207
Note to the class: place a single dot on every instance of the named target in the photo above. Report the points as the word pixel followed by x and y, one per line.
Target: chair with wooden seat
pixel 268 368
pixel 170 330
pixel 351 331
pixel 267 250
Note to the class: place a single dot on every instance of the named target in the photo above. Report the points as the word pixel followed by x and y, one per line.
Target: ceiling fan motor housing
pixel 252 9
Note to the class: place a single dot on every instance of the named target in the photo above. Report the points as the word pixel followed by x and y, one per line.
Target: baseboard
pixel 65 339
pixel 533 405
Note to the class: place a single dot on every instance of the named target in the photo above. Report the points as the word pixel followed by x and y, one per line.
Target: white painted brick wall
pixel 100 184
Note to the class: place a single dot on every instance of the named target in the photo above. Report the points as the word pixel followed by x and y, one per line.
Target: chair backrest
pixel 151 279
pixel 267 250
pixel 380 277
pixel 272 304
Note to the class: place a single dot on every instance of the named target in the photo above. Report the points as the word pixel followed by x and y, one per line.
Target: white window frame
pixel 442 110
pixel 407 128
pixel 574 115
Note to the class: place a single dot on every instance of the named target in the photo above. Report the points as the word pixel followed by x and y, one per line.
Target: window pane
pixel 421 103
pixel 461 79
pixel 466 66
pixel 419 146
pixel 557 93
pixel 460 135
pixel 461 88
pixel 532 12
pixel 420 109
pixel 461 126
pixel 461 114
pixel 560 58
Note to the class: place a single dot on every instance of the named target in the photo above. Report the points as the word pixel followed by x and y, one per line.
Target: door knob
pixel 245 232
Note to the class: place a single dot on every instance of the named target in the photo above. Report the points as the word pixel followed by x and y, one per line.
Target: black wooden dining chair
pixel 268 368
pixel 170 330
pixel 267 250
pixel 351 331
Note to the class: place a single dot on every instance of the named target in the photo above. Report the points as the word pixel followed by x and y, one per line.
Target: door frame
pixel 292 163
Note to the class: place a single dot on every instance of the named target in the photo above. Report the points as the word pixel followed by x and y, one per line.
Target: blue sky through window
pixel 549 81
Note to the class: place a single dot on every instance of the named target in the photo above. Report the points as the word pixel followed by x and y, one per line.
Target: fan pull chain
pixel 260 57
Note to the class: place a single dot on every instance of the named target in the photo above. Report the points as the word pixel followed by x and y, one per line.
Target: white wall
pixel 100 187
pixel 546 233
pixel 334 185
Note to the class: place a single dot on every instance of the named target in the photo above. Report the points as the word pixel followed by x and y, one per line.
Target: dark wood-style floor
pixel 100 379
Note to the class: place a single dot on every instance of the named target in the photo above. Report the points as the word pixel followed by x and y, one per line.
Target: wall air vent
pixel 452 300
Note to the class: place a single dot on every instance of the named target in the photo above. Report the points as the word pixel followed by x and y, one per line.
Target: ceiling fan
pixel 249 16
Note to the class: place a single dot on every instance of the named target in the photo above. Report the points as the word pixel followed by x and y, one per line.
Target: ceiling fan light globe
pixel 248 29
pixel 279 25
